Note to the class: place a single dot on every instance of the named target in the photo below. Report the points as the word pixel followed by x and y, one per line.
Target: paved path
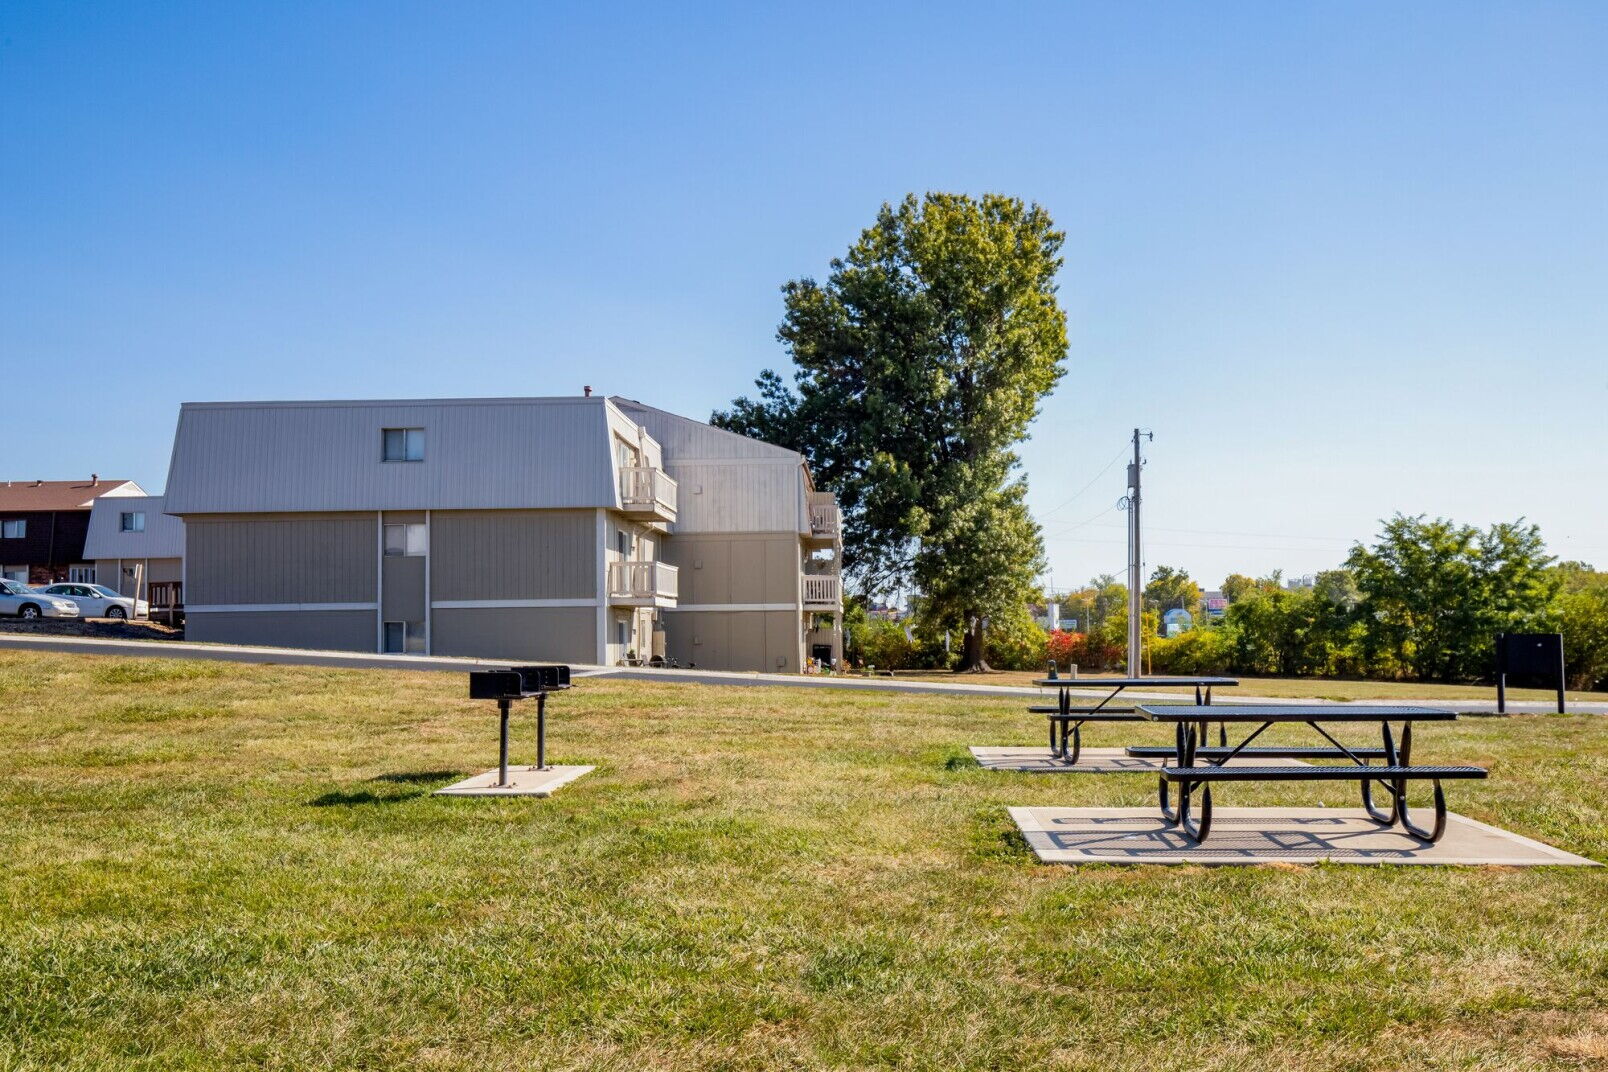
pixel 178 649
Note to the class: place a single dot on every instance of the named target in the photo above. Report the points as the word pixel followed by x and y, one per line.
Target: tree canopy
pixel 918 365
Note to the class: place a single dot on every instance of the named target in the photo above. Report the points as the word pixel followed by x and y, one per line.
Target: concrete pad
pixel 522 782
pixel 1036 759
pixel 1272 836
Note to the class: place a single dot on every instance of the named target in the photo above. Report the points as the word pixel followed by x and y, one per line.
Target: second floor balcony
pixel 643 584
pixel 647 493
pixel 823 590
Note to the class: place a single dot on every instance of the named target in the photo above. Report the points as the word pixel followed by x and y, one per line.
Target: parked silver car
pixel 98 601
pixel 25 602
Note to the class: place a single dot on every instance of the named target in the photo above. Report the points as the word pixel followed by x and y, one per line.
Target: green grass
pixel 210 866
pixel 1290 687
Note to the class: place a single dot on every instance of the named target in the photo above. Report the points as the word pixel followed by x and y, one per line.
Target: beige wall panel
pixel 245 559
pixel 734 640
pixel 551 634
pixel 334 630
pixel 514 554
pixel 745 568
pixel 403 592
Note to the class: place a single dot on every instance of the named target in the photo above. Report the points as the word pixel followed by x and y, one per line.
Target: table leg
pixel 1180 751
pixel 1197 830
pixel 1386 817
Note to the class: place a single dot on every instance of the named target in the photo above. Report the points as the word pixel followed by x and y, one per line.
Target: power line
pixel 1076 495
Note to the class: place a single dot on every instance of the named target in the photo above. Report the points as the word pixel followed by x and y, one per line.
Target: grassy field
pixel 1290 687
pixel 216 866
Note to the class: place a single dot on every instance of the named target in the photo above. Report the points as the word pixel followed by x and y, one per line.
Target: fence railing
pixel 643 580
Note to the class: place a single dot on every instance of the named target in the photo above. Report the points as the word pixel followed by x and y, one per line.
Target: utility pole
pixel 1136 563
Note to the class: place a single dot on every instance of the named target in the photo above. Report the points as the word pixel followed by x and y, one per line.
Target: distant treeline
pixel 1424 603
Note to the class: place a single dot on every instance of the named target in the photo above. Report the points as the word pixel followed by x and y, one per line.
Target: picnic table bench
pixel 1197 766
pixel 1066 721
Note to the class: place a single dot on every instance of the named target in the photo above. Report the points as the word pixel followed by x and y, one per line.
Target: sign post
pixel 1534 655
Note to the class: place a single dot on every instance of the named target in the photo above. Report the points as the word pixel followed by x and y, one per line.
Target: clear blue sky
pixel 1345 260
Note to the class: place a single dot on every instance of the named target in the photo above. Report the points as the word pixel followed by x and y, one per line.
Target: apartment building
pixel 43 525
pixel 757 547
pixel 523 528
pixel 134 544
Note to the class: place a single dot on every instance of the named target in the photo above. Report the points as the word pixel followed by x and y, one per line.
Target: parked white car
pixel 18 599
pixel 98 601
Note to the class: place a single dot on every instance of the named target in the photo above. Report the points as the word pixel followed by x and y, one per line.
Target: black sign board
pixel 1538 656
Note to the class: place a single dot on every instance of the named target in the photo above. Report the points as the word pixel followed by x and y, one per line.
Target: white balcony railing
pixel 644 489
pixel 825 520
pixel 643 580
pixel 822 590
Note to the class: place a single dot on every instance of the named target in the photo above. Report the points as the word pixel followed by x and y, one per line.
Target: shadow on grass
pixel 353 797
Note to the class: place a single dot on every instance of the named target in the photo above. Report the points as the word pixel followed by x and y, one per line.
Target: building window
pixel 622 543
pixel 403 444
pixel 622 633
pixel 404 638
pixel 14 529
pixel 131 521
pixel 404 540
pixel 81 574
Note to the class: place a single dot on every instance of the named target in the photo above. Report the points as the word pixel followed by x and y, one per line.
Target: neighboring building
pixel 43 524
pixel 758 548
pixel 524 528
pixel 132 541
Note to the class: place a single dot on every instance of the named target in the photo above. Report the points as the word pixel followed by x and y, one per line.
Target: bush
pixel 1015 644
pixel 1198 651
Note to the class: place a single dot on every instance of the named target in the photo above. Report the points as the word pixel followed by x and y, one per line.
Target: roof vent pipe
pixel 94 480
pixel 588 390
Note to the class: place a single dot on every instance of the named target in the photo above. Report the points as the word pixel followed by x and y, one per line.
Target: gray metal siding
pixel 514 554
pixel 163 536
pixel 322 559
pixel 478 454
pixel 331 630
pixel 402 596
pixel 757 495
pixel 553 634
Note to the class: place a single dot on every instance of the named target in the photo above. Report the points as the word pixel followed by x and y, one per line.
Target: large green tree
pixel 918 365
pixel 1438 593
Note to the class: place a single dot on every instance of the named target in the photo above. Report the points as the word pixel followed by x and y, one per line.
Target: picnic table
pixel 1066 721
pixel 1196 765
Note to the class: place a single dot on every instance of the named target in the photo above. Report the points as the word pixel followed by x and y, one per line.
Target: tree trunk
pixel 971 658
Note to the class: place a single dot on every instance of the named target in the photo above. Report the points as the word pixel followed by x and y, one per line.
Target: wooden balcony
pixel 643 584
pixel 647 493
pixel 823 591
pixel 826 520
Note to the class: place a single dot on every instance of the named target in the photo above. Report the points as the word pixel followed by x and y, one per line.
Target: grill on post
pixel 518 683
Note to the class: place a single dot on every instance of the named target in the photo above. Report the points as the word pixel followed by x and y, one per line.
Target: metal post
pixel 541 731
pixel 502 745
pixel 1135 565
pixel 1501 673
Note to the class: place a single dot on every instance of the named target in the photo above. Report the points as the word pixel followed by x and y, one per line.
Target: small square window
pixel 405 540
pixel 403 445
pixel 15 529
pixel 131 521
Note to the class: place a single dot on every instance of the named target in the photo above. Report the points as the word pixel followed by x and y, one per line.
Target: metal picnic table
pixel 1066 721
pixel 1196 765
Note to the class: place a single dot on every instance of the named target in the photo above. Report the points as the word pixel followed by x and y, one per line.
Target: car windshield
pixel 12 588
pixel 101 590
